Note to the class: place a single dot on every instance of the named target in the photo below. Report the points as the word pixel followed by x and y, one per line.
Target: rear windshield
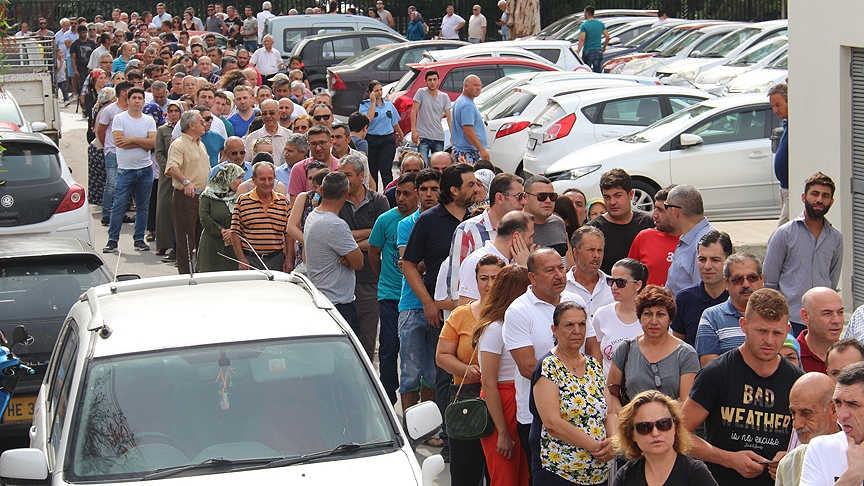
pixel 9 112
pixel 23 163
pixel 512 105
pixel 406 81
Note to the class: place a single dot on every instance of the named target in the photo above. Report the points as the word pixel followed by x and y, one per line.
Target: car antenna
pixel 266 270
pixel 189 257
pixel 113 286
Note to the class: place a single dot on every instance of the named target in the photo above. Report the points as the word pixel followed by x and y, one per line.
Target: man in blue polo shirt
pixel 469 132
pixel 713 250
pixel 720 327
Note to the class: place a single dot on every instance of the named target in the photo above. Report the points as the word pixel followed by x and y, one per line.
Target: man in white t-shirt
pixel 837 458
pixel 476 26
pixel 450 24
pixel 528 327
pixel 134 136
pixel 263 15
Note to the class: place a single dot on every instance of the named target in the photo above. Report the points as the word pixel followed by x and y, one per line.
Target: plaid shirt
pixel 469 236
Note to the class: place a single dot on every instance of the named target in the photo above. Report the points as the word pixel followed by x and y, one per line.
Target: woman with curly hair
pixel 232 79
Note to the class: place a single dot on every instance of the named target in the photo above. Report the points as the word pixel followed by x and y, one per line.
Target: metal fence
pixel 744 10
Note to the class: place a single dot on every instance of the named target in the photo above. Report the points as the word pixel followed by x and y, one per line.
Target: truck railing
pixel 27 54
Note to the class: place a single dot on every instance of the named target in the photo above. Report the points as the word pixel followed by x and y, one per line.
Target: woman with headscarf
pixel 95 156
pixel 215 208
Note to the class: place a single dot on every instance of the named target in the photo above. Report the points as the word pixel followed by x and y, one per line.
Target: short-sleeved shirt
pixel 134 158
pixel 326 239
pixel 719 329
pixel 214 144
pixel 594 299
pixel 119 64
pixel 639 373
pixel 492 341
pixel 552 234
pixel 745 411
pixel 214 24
pixel 299 183
pixel 430 242
pixel 468 270
pixel 263 227
pixel 475 26
pixel 279 139
pixel 459 329
pixel 430 113
pixel 654 248
pixel 825 460
pixel 384 235
pixel 408 299
pixel 106 117
pixel 470 235
pixel 809 361
pixel 82 51
pixel 449 24
pixel 690 303
pixel 266 62
pixel 361 144
pixel 683 272
pixel 190 157
pixel 619 237
pixel 363 217
pixel 385 119
pixel 611 331
pixel 249 25
pixel 465 113
pixel 686 470
pixel 593 34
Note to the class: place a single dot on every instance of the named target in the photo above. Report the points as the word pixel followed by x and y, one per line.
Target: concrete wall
pixel 820 44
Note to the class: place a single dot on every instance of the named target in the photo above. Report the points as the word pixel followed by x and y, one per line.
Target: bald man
pixel 813 414
pixel 822 312
pixel 468 131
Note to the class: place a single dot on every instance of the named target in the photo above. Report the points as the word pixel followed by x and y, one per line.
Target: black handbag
pixel 468 419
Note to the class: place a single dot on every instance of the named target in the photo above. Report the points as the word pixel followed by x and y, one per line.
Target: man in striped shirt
pixel 260 223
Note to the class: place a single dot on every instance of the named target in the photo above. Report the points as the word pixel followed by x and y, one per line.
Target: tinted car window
pixel 736 126
pixel 378 41
pixel 550 55
pixel 681 102
pixel 633 111
pixel 60 387
pixel 591 112
pixel 410 56
pixel 453 80
pixel 25 164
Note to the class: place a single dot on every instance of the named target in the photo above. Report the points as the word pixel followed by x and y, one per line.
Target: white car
pixel 685 71
pixel 38 196
pixel 574 121
pixel 715 79
pixel 559 53
pixel 693 43
pixel 759 80
pixel 721 146
pixel 151 380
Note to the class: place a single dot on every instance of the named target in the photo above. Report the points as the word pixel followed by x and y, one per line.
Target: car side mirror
pixel 19 467
pixel 431 468
pixel 39 126
pixel 614 41
pixel 689 140
pixel 695 53
pixel 422 420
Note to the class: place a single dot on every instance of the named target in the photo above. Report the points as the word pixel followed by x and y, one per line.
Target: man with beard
pixel 719 329
pixel 806 252
pixel 655 246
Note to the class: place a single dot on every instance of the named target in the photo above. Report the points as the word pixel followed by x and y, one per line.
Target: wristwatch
pixel 186 182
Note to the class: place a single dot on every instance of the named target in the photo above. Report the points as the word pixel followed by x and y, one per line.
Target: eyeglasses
pixel 207 118
pixel 520 196
pixel 666 206
pixel 542 196
pixel 620 282
pixel 645 428
pixel 322 117
pixel 317 144
pixel 237 152
pixel 656 370
pixel 269 113
pixel 739 279
pixel 298 128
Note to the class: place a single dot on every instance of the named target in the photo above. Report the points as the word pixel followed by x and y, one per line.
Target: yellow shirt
pixel 191 158
pixel 459 328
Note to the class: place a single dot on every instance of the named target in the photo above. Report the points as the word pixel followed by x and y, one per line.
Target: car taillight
pixel 510 128
pixel 560 129
pixel 336 82
pixel 403 104
pixel 73 200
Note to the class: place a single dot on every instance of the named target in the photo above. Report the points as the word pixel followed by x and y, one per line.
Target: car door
pixel 54 404
pixel 733 166
pixel 615 118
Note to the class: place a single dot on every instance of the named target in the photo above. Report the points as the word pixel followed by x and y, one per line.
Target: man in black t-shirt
pixel 620 223
pixel 742 397
pixel 80 51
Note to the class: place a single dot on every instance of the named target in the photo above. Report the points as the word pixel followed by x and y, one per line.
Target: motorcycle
pixel 10 367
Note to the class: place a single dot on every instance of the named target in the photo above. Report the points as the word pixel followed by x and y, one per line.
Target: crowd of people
pixel 596 333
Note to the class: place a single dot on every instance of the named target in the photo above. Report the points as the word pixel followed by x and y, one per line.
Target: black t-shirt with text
pixel 745 411
pixel 619 237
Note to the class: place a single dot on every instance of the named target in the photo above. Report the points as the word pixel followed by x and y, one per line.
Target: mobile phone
pixel 767 462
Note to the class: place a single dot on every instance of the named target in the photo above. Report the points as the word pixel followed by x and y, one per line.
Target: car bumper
pixel 73 224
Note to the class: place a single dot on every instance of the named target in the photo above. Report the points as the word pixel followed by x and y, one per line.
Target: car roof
pixel 627 91
pixel 256 308
pixel 23 247
pixel 723 102
pixel 28 137
pixel 480 61
pixel 349 33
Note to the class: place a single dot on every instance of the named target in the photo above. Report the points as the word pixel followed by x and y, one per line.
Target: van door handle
pixel 32 432
pixel 756 155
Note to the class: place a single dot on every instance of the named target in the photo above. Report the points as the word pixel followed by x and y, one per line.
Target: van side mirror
pixel 422 420
pixel 19 467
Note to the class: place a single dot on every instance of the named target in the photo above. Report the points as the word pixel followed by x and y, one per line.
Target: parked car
pixel 11 114
pixel 690 45
pixel 661 43
pixel 685 71
pixel 452 74
pixel 633 26
pixel 320 52
pixel 348 81
pixel 288 30
pixel 174 394
pixel 759 80
pixel 715 79
pixel 721 146
pixel 40 279
pixel 641 42
pixel 560 53
pixel 38 196
pixel 484 51
pixel 603 14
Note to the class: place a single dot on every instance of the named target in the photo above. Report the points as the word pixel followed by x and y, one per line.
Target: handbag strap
pixel 465 376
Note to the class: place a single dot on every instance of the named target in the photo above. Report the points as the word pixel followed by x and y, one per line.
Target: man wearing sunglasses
pixel 234 153
pixel 719 329
pixel 742 397
pixel 686 215
pixel 278 134
pixel 549 231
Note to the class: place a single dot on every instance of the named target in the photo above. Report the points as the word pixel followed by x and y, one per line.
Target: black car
pixel 387 63
pixel 319 52
pixel 40 279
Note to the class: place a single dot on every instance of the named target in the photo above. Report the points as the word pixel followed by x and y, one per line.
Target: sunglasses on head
pixel 739 279
pixel 542 196
pixel 620 282
pixel 645 428
pixel 321 117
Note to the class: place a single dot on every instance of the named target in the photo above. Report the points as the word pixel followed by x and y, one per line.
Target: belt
pixel 249 253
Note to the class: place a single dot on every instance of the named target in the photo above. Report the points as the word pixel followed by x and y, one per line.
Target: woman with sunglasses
pixel 615 322
pixel 383 134
pixel 651 434
pixel 301 124
pixel 572 423
pixel 654 360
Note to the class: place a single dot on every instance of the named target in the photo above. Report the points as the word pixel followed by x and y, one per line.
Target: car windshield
pixel 24 164
pixel 251 402
pixel 9 112
pixel 359 58
pixel 646 36
pixel 512 105
pixel 662 127
pixel 560 24
pixel 758 53
pixel 661 43
pixel 495 92
pixel 781 62
pixel 732 40
pixel 681 43
pixel 405 81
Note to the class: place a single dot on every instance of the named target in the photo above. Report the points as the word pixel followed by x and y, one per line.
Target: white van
pixel 288 30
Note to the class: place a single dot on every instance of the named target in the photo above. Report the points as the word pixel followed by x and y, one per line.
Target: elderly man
pixel 813 415
pixel 320 142
pixel 271 129
pixel 750 381
pixel 468 144
pixel 587 280
pixel 205 69
pixel 686 215
pixel 259 225
pixel 295 151
pixel 843 353
pixel 476 26
pixel 234 153
pixel 187 166
pixel 362 207
pixel 267 59
pixel 822 312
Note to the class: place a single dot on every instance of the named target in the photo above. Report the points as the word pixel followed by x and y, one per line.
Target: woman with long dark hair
pixel 383 134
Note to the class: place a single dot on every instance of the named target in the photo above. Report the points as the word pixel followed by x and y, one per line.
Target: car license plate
pixel 20 410
pixel 532 142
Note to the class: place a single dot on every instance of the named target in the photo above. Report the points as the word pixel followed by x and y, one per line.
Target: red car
pixel 451 75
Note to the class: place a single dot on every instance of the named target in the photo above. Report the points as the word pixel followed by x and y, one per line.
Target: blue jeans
pixel 428 147
pixel 417 343
pixel 131 181
pixel 250 45
pixel 110 180
pixel 388 346
pixel 594 59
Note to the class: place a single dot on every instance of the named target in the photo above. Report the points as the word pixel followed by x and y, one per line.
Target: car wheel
pixel 643 195
pixel 319 88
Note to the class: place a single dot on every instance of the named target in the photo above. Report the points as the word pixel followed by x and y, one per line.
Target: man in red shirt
pixel 654 246
pixel 822 312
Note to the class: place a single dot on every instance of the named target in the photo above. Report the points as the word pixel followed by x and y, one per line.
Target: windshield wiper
pixel 340 449
pixel 164 473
